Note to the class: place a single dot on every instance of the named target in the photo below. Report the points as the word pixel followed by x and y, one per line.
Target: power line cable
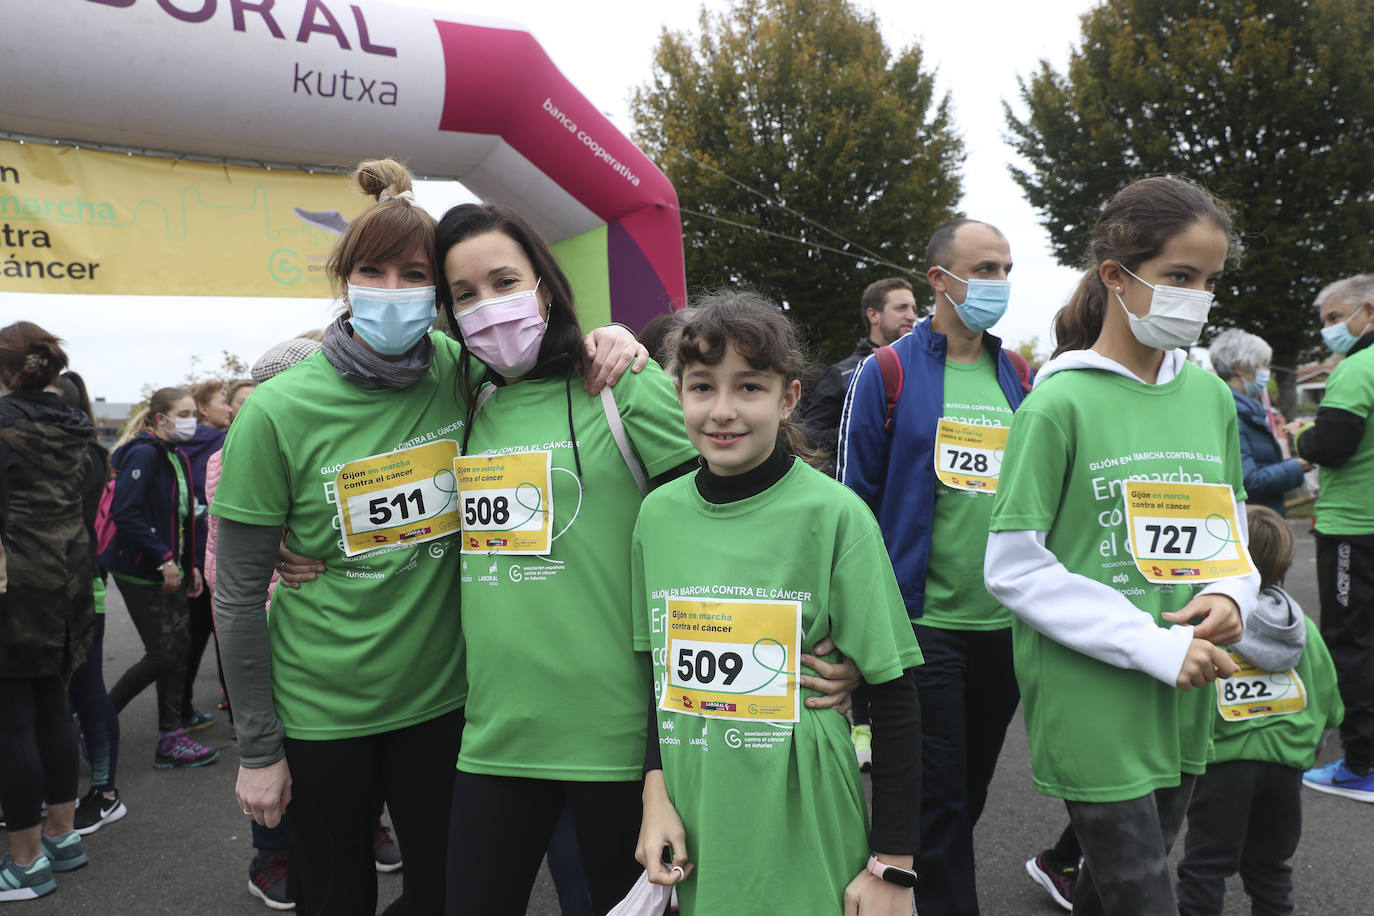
pixel 877 258
pixel 803 242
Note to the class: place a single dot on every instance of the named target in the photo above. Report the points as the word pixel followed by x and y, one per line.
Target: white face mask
pixel 183 428
pixel 1176 317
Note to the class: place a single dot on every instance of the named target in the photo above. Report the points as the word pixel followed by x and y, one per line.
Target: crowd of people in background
pixel 461 560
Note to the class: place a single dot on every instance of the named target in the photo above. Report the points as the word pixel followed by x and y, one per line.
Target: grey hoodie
pixel 1275 632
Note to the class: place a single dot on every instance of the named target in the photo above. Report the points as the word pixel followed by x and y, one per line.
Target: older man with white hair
pixel 1342 442
pixel 1242 361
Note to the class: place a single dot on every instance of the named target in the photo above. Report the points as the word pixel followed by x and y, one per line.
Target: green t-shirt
pixel 374 643
pixel 1289 740
pixel 955 596
pixel 557 691
pixel 1097 732
pixel 1345 505
pixel 774 812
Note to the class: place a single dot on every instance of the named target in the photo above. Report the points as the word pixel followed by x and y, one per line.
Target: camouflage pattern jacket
pixel 46 613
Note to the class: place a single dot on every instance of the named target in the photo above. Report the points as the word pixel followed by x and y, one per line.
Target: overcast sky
pixel 605 48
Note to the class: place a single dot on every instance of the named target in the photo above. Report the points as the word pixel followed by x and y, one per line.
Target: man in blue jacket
pixel 920 441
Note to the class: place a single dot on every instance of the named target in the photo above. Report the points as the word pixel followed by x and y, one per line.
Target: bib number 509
pixel 700 665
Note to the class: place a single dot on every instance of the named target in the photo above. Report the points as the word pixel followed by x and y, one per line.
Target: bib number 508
pixel 485 510
pixel 700 665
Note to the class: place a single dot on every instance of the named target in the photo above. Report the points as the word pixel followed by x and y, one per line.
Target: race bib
pixel 1185 532
pixel 401 497
pixel 969 456
pixel 507 502
pixel 1253 693
pixel 733 658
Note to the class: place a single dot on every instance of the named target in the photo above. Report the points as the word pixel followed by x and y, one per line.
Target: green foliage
pixel 802 102
pixel 1270 103
pixel 1032 353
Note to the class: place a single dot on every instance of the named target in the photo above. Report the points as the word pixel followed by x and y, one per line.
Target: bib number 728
pixel 959 460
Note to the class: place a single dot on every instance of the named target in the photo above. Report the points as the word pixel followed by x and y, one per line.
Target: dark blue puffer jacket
pixel 1266 473
pixel 145 510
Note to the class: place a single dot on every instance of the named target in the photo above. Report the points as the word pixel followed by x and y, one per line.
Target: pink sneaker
pixel 176 749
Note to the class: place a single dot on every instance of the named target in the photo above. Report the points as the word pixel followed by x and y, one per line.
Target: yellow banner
pixel 1185 532
pixel 968 456
pixel 507 502
pixel 733 658
pixel 403 497
pixel 1253 693
pixel 83 221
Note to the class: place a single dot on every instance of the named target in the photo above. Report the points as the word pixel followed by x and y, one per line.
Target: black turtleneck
pixel 719 490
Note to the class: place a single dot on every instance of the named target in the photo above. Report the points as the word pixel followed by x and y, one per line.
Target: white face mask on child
pixel 1176 317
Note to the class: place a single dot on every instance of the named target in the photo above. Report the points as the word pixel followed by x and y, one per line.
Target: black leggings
pixel 501 827
pixel 337 790
pixel 162 624
pixel 37 749
pixel 200 624
pixel 99 721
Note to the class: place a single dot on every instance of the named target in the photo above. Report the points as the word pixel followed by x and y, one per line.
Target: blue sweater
pixel 894 470
pixel 1266 473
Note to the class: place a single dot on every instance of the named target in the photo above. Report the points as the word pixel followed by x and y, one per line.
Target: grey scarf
pixel 357 364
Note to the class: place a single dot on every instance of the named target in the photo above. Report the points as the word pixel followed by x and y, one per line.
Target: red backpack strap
pixel 1023 368
pixel 891 368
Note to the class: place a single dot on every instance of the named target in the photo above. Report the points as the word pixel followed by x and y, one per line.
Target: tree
pixel 1270 103
pixel 809 161
pixel 232 367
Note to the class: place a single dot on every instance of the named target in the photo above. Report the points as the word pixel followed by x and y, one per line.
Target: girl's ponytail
pixel 1078 323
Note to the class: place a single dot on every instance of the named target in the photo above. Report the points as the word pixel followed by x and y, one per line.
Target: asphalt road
pixel 184 846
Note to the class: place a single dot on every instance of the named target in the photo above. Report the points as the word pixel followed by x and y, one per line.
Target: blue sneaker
pixel 25 882
pixel 1335 779
pixel 65 852
pixel 197 720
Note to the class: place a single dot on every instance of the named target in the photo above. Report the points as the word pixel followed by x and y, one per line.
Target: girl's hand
pixel 264 793
pixel 295 569
pixel 1203 664
pixel 837 680
pixel 1221 624
pixel 869 895
pixel 612 350
pixel 197 584
pixel 171 577
pixel 661 827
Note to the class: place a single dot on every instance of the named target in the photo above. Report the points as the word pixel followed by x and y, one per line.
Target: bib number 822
pixel 1244 690
pixel 700 665
pixel 486 510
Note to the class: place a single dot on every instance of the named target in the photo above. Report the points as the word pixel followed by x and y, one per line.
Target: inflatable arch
pixel 332 82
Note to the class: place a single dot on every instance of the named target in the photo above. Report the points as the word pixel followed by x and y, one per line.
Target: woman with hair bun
pixel 46 613
pixel 350 691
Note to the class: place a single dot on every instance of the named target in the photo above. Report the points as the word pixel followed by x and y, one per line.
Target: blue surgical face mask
pixel 1258 383
pixel 391 321
pixel 984 304
pixel 1339 338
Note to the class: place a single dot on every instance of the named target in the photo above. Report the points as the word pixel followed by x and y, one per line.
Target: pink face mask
pixel 505 333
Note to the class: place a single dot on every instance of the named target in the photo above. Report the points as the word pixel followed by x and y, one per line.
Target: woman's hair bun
pixel 378 176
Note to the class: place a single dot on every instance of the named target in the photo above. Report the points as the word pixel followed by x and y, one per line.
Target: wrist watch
pixel 892 874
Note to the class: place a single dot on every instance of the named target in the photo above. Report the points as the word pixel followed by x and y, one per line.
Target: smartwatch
pixel 892 874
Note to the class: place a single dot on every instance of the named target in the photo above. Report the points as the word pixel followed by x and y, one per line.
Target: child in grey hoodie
pixel 1246 811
